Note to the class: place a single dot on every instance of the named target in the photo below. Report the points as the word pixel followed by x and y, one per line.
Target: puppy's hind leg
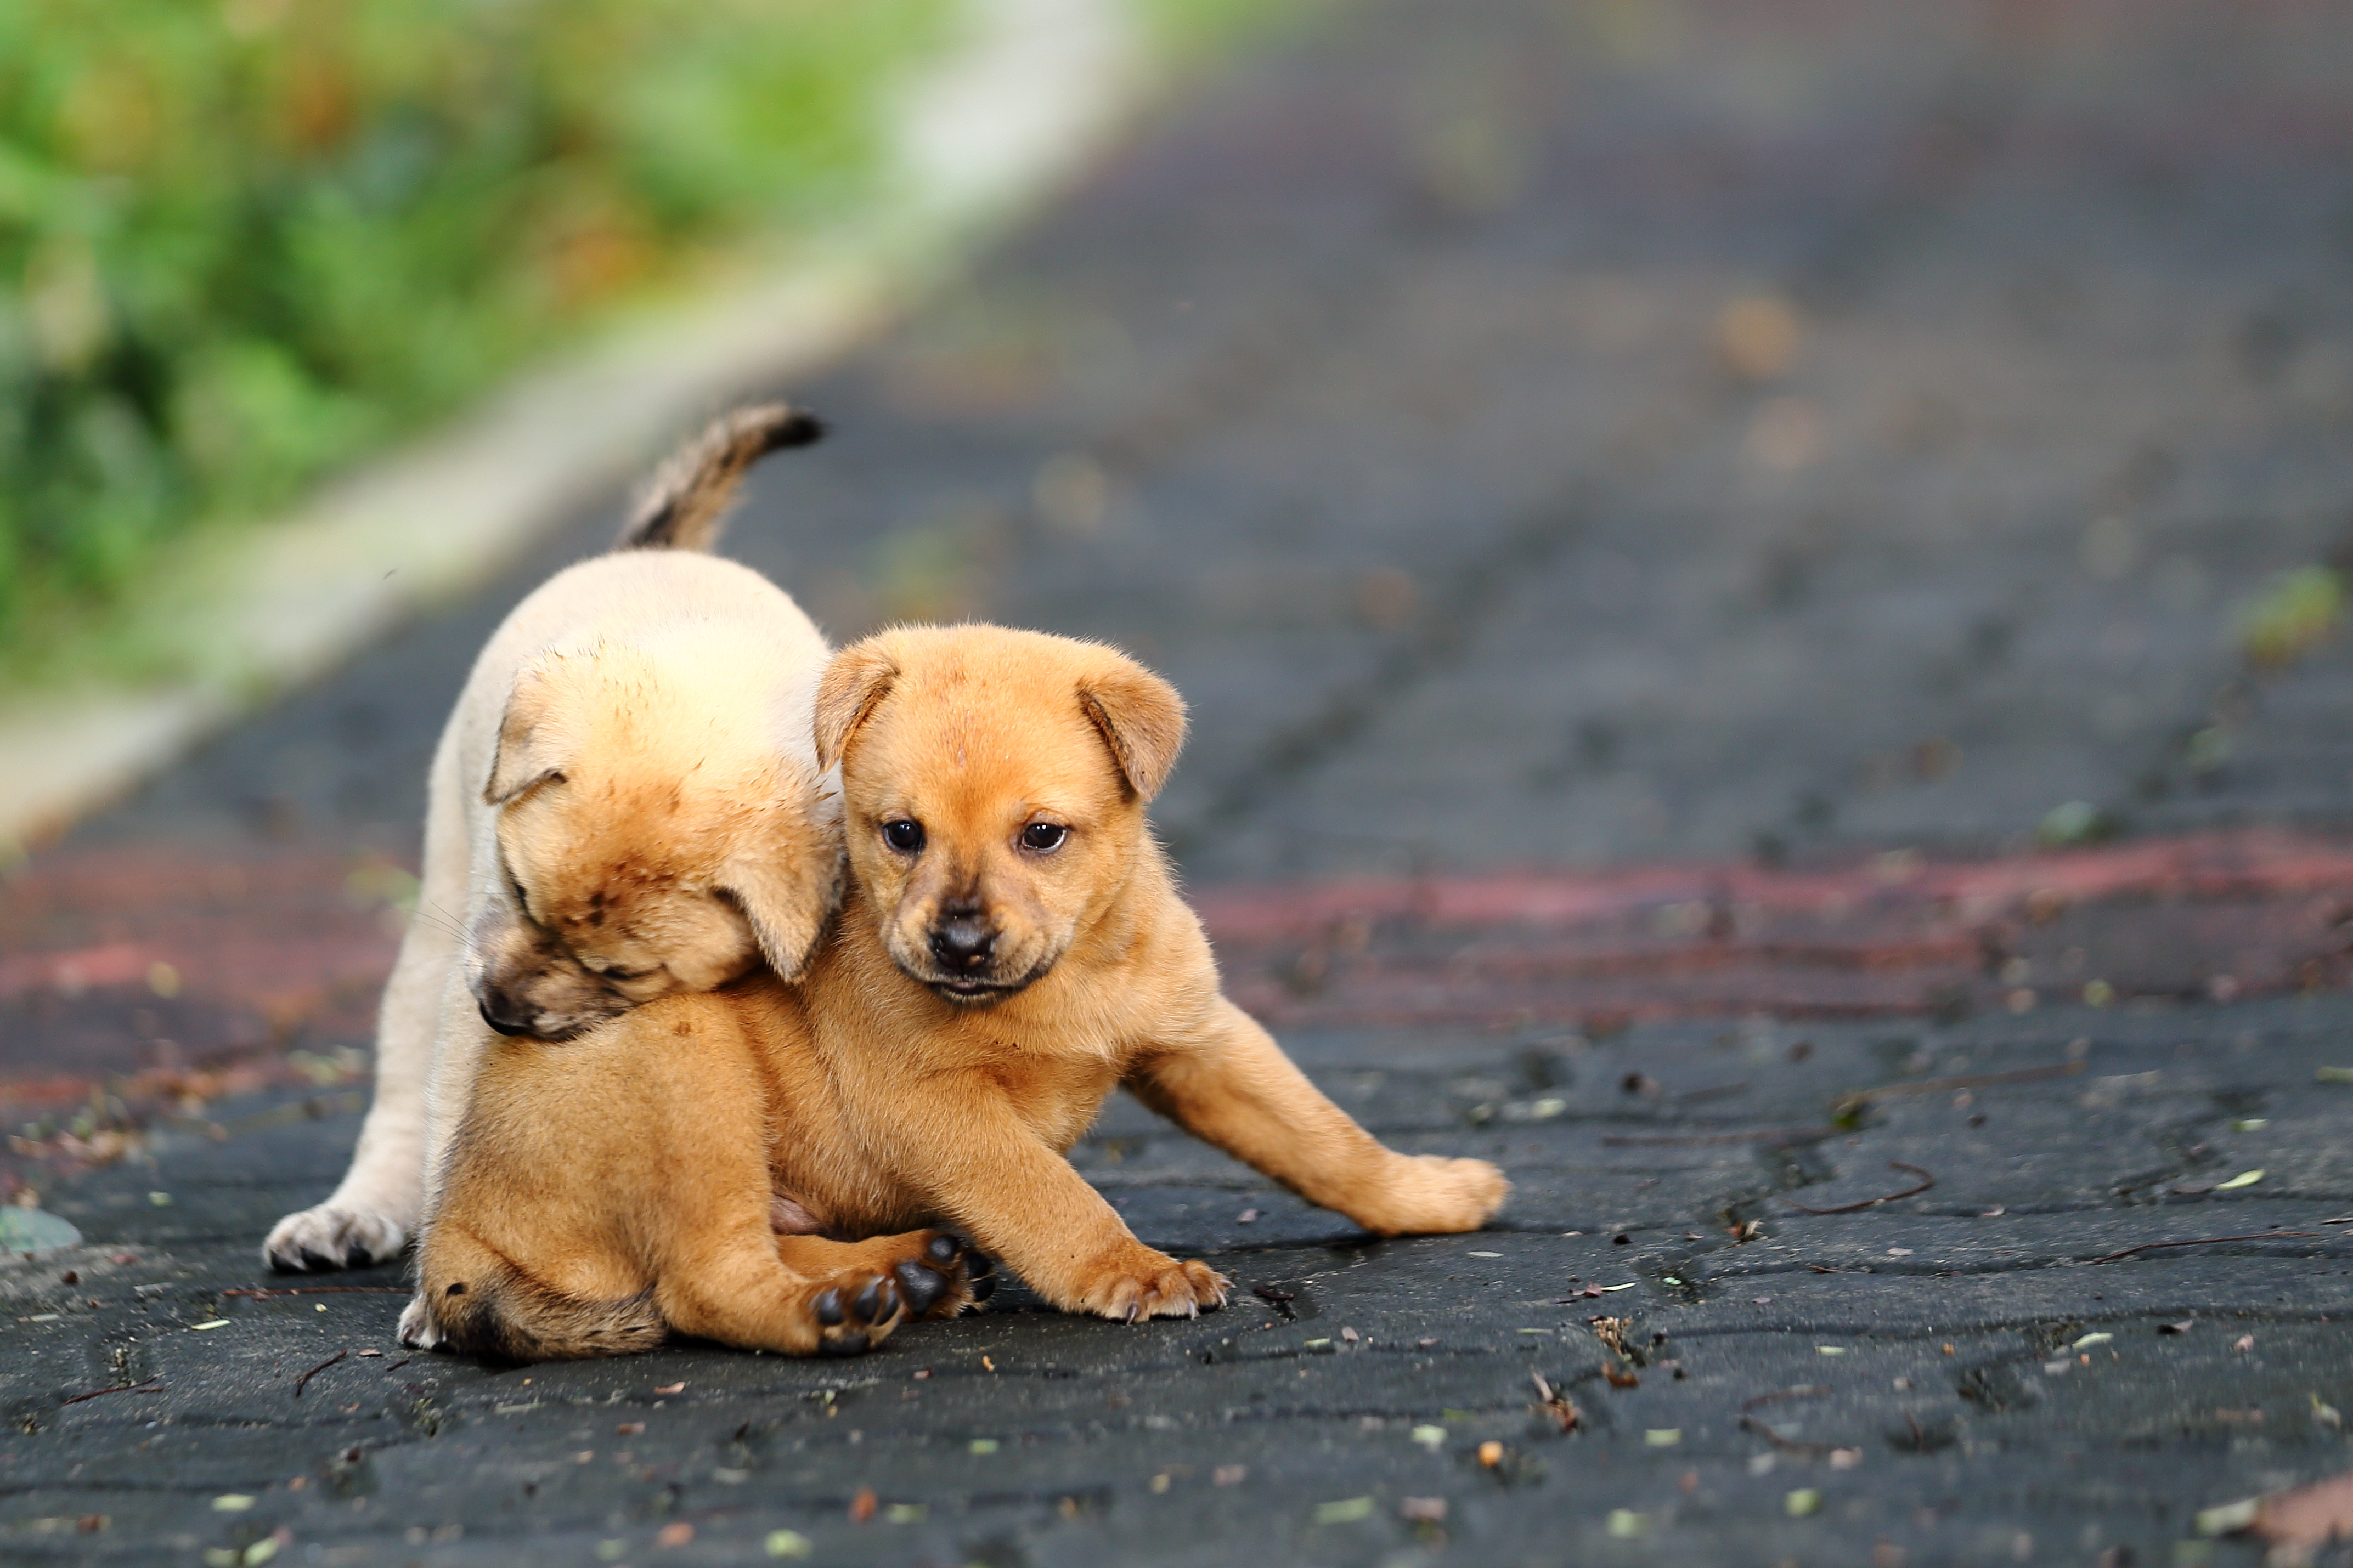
pixel 803 1295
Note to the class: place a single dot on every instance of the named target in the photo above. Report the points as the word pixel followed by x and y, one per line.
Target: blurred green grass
pixel 242 241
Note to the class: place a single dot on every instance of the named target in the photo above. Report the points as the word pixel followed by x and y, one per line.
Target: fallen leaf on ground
pixel 674 1534
pixel 1431 1438
pixel 1618 1376
pixel 2182 1326
pixel 2243 1179
pixel 1348 1511
pixel 2227 1517
pixel 1423 1509
pixel 2243 1342
pixel 861 1507
pixel 1625 1524
pixel 1491 1454
pixel 631 1428
pixel 1233 1475
pixel 1801 1502
pixel 672 1388
pixel 788 1544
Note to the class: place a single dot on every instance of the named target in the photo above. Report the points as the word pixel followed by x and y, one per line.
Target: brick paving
pixel 1653 506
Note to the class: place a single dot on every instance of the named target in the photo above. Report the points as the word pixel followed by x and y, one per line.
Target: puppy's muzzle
pixel 504 1014
pixel 962 944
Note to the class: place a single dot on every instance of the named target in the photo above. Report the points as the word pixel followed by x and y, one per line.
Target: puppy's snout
pixel 962 940
pixel 503 1012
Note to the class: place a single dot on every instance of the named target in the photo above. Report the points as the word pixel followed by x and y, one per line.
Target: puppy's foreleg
pixel 1227 1082
pixel 372 1212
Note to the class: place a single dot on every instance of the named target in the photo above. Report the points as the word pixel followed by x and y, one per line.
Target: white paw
pixel 332 1237
pixel 416 1329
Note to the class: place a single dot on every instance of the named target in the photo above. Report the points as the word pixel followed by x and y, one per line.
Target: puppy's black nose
pixel 962 943
pixel 502 1013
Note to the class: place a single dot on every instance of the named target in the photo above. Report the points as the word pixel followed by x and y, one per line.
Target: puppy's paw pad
pixel 855 1312
pixel 328 1236
pixel 941 1276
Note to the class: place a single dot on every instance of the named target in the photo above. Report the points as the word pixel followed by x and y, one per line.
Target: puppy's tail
pixel 483 1305
pixel 687 499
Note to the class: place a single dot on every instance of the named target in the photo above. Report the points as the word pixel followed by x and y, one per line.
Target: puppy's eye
pixel 904 836
pixel 1044 837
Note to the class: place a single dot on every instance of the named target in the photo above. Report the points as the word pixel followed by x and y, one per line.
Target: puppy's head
pixel 652 839
pixel 994 784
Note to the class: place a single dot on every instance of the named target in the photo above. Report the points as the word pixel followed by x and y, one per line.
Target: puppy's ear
pixel 1141 720
pixel 858 677
pixel 533 742
pixel 788 894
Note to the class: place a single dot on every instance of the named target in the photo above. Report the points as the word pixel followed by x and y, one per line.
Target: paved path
pixel 1654 507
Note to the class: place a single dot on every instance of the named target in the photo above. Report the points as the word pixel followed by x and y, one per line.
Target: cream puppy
pixel 626 804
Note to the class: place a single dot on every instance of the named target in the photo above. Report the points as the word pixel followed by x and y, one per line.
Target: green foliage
pixel 2301 610
pixel 240 240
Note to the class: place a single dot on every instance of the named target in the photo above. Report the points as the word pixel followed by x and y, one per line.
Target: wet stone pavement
pixel 2041 1356
pixel 1653 506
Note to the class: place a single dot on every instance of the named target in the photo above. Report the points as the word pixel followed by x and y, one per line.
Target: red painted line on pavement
pixel 2248 863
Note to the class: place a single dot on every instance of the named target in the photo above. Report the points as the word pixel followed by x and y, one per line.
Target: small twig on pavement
pixel 153 1385
pixel 316 1371
pixel 323 1290
pixel 404 1361
pixel 1927 1180
pixel 1802 1391
pixel 1555 1404
pixel 1962 1080
pixel 2195 1241
pixel 1668 1141
pixel 1789 1444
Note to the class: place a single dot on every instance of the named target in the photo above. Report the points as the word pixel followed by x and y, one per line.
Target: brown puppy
pixel 1013 949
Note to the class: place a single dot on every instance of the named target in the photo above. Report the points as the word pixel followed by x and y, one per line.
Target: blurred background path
pixel 1693 534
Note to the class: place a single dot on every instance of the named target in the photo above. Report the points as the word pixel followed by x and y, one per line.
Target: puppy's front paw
pixel 1140 1283
pixel 416 1329
pixel 328 1236
pixel 1428 1194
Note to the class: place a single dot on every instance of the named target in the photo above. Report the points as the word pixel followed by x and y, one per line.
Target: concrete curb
pixel 1020 108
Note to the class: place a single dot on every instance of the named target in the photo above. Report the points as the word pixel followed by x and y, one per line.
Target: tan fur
pixel 625 804
pixel 979 999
